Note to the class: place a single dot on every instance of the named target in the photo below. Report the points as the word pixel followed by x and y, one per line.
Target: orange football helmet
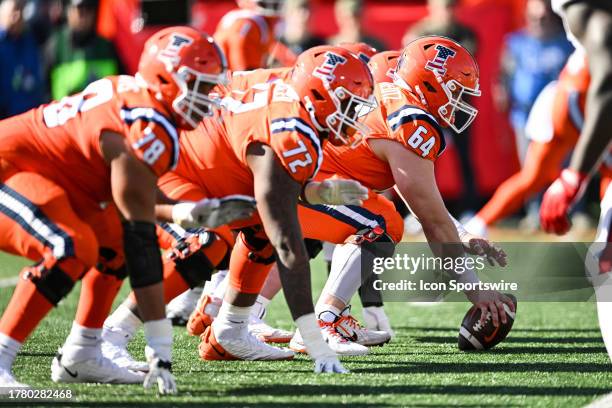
pixel 361 49
pixel 383 65
pixel 268 8
pixel 181 66
pixel 440 72
pixel 336 88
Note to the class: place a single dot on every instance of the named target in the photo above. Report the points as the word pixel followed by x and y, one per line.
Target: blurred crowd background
pixel 52 48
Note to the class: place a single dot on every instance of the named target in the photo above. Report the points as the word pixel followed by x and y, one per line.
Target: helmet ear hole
pixel 429 87
pixel 317 95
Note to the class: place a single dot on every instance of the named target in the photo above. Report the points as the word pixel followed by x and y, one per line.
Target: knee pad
pixel 142 254
pixel 261 251
pixel 52 282
pixel 374 240
pixel 196 256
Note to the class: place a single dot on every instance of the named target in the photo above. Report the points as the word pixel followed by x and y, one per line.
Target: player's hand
pixel 213 212
pixel 160 372
pixel 491 301
pixel 558 199
pixel 329 364
pixel 341 192
pixel 479 246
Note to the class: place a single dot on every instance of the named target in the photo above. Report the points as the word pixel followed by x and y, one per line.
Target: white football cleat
pixel 8 382
pixel 114 347
pixel 375 318
pixel 339 344
pixel 226 342
pixel 351 329
pixel 267 333
pixel 180 308
pixel 95 370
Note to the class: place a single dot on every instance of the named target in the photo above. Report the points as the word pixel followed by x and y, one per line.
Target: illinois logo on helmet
pixel 336 87
pixel 181 66
pixel 441 73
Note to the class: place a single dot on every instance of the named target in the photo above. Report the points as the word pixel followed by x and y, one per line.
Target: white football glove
pixel 160 372
pixel 158 334
pixel 213 212
pixel 326 361
pixel 329 365
pixel 342 192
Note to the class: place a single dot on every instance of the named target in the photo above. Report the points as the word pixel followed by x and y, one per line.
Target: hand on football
pixel 341 192
pixel 558 199
pixel 213 212
pixel 493 302
pixel 483 247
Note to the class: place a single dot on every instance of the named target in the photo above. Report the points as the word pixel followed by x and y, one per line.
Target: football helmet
pixel 268 8
pixel 440 72
pixel 383 65
pixel 361 49
pixel 336 88
pixel 181 66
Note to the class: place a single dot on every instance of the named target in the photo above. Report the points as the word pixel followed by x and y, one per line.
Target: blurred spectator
pixel 442 20
pixel 43 17
pixel 75 54
pixel 350 29
pixel 533 57
pixel 21 79
pixel 296 35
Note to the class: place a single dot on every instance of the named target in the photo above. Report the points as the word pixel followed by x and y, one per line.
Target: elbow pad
pixel 142 254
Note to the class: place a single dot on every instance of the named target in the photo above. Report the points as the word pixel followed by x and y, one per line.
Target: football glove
pixel 340 192
pixel 558 199
pixel 326 361
pixel 213 212
pixel 158 352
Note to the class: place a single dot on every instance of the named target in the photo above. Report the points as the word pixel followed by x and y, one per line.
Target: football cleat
pixel 375 318
pixel 114 347
pixel 236 343
pixel 181 307
pixel 94 370
pixel 339 344
pixel 203 315
pixel 8 382
pixel 267 333
pixel 351 329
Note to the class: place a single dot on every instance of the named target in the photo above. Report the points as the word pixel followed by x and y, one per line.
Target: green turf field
pixel 554 357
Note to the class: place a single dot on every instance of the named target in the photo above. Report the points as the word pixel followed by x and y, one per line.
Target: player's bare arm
pixel 415 179
pixel 134 191
pixel 592 26
pixel 277 195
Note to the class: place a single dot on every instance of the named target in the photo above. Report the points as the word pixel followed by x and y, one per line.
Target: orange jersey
pixel 246 38
pixel 213 156
pixel 398 117
pixel 61 140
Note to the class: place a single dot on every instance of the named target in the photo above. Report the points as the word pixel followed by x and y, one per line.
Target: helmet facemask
pixel 195 102
pixel 344 123
pixel 457 113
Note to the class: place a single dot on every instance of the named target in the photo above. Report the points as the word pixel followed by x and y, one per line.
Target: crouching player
pixel 432 76
pixel 78 188
pixel 267 142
